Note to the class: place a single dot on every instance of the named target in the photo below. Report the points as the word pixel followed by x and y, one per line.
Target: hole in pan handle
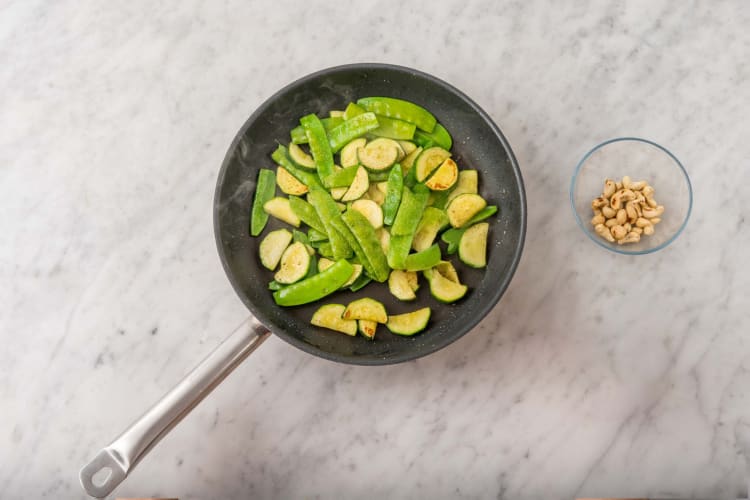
pixel 113 463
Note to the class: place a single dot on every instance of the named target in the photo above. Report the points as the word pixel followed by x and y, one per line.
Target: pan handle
pixel 112 464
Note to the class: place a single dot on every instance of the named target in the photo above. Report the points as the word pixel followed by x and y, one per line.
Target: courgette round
pixel 463 208
pixel 379 154
pixel 472 250
pixel 298 156
pixel 429 160
pixel 409 323
pixel 329 316
pixel 295 262
pixel 272 247
pixel 349 152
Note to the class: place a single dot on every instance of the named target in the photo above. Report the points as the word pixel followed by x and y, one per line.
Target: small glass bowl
pixel 640 159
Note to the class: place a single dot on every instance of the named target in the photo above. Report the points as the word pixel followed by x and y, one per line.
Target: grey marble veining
pixel 596 374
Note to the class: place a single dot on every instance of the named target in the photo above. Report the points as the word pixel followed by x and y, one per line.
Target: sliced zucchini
pixel 429 160
pixel 444 177
pixel 295 262
pixel 463 208
pixel 407 162
pixel 336 113
pixel 341 177
pixel 371 210
pixel 407 146
pixel 367 328
pixel 401 152
pixel 324 264
pixel 272 247
pixel 359 186
pixel 385 239
pixel 279 208
pixel 398 285
pixel 444 289
pixel 288 183
pixel 298 156
pixel 468 182
pixel 349 152
pixel 329 316
pixel 413 279
pixel 433 220
pixel 448 271
pixel 366 308
pixel 382 186
pixel 409 323
pixel 375 194
pixel 379 154
pixel 337 193
pixel 472 250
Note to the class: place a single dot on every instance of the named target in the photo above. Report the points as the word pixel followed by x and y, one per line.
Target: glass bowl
pixel 640 159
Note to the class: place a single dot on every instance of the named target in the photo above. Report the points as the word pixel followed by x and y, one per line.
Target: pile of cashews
pixel 625 211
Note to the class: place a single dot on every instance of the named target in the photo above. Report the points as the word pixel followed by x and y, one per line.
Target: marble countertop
pixel 596 374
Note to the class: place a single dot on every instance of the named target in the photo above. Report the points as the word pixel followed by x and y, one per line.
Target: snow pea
pixel 351 129
pixel 393 194
pixel 438 137
pixel 410 211
pixel 369 242
pixel 306 213
pixel 425 259
pixel 353 110
pixel 298 133
pixel 327 210
pixel 319 146
pixel 342 178
pixel 316 287
pixel 264 191
pixel 393 128
pixel 400 110
pixel 281 156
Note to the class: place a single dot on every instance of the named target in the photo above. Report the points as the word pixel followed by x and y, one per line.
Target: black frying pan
pixel 477 144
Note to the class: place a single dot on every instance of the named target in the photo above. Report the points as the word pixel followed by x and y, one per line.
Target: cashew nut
pixel 631 237
pixel 632 213
pixel 626 182
pixel 618 185
pixel 648 230
pixel 621 216
pixel 650 213
pixel 638 185
pixel 597 219
pixel 608 212
pixel 641 222
pixel 638 230
pixel 627 226
pixel 599 202
pixel 648 191
pixel 611 222
pixel 618 232
pixel 609 188
pixel 655 220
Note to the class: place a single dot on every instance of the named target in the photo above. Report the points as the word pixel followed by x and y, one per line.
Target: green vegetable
pixel 393 194
pixel 351 129
pixel 353 110
pixel 444 289
pixel 279 208
pixel 376 177
pixel 272 248
pixel 301 158
pixel 379 154
pixel 319 146
pixel 275 285
pixel 393 129
pixel 423 260
pixel 327 210
pixel 329 316
pixel 264 191
pixel 326 250
pixel 295 263
pixel 432 221
pixel 429 160
pixel 316 287
pixel 281 156
pixel 342 178
pixel 410 211
pixel 472 249
pixel 359 186
pixel 409 323
pixel 369 242
pixel 401 110
pixel 306 213
pixel 349 152
pixel 314 235
pixel 438 137
pixel 300 237
pixel 298 133
pixel 360 282
pixel 366 308
pixel 453 236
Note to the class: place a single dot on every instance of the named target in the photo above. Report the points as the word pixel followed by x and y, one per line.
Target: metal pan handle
pixel 112 464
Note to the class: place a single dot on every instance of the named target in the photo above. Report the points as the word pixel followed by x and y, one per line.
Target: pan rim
pixel 401 357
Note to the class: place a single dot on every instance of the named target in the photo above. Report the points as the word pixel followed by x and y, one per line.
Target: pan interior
pixel 478 144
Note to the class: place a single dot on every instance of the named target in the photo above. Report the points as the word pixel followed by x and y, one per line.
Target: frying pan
pixel 478 144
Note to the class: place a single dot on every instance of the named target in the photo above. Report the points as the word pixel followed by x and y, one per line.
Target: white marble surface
pixel 596 374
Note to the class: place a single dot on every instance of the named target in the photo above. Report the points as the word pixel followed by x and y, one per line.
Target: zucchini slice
pixel 468 182
pixel 401 152
pixel 366 308
pixel 444 289
pixel 446 269
pixel 288 183
pixel 407 146
pixel 295 262
pixel 338 193
pixel 329 316
pixel 279 208
pixel 409 323
pixel 445 176
pixel 433 220
pixel 407 163
pixel 367 328
pixel 382 187
pixel 413 280
pixel 371 210
pixel 376 194
pixel 463 208
pixel 384 236
pixel 429 160
pixel 298 156
pixel 472 250
pixel 336 113
pixel 398 285
pixel 272 247
pixel 379 154
pixel 359 186
pixel 349 152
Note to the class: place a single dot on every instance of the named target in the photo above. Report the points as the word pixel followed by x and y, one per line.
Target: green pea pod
pixel 281 157
pixel 401 110
pixel 438 137
pixel 393 194
pixel 300 237
pixel 346 233
pixel 326 250
pixel 353 110
pixel 398 251
pixel 393 128
pixel 453 236
pixel 410 180
pixel 275 285
pixel 264 191
pixel 306 213
pixel 316 287
pixel 440 198
pixel 410 210
pixel 426 259
pixel 327 210
pixel 360 282
pixel 351 129
pixel 315 236
pixel 298 133
pixel 342 178
pixel 368 240
pixel 374 176
pixel 319 147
